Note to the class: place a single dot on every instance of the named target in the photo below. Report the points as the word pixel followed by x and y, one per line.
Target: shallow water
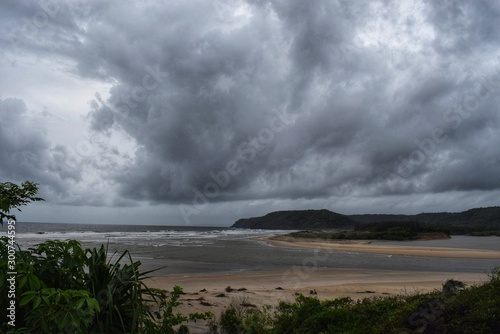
pixel 189 249
pixel 456 241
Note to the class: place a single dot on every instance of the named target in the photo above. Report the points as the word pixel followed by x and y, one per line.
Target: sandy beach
pixel 269 287
pixel 367 247
pixel 257 288
pixel 208 292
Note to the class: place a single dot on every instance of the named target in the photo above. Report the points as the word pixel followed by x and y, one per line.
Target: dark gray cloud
pixel 282 100
pixel 60 170
pixel 465 27
pixel 25 152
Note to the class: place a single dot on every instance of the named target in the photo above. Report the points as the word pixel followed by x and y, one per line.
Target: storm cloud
pixel 223 101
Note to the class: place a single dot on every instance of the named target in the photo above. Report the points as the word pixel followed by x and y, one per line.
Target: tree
pixel 13 196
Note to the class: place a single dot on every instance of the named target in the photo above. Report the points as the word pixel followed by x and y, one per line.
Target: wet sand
pixel 367 247
pixel 208 291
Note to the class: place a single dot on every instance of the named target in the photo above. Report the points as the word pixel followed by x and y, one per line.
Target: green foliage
pixel 468 310
pixel 455 309
pixel 13 196
pixel 54 310
pixel 399 230
pixel 59 263
pixel 231 322
pixel 473 220
pixel 64 288
pixel 237 319
pixel 296 220
pixel 388 230
pixel 60 287
pixel 114 300
pixel 168 319
pixel 119 290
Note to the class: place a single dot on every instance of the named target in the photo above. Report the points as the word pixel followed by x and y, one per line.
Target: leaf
pixel 37 302
pixel 63 322
pixel 12 196
pixel 58 296
pixel 34 282
pixel 46 299
pixel 26 299
pixel 93 305
pixel 22 281
pixel 79 303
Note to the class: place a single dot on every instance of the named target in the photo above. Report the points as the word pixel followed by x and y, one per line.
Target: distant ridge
pixel 477 219
pixel 297 220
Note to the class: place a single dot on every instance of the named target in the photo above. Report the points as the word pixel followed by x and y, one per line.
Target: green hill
pixel 297 220
pixel 476 220
pixel 473 220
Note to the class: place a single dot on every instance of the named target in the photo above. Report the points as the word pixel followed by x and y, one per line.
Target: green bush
pixel 64 288
pixel 231 322
pixel 55 310
pixel 238 320
pixel 60 287
pixel 455 309
pixel 13 196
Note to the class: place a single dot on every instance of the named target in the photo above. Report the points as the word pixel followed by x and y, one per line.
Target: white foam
pixel 180 238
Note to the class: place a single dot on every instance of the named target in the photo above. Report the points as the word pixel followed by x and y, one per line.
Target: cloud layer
pixel 220 101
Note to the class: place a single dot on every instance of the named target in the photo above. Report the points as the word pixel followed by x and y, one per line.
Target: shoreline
pixel 335 282
pixel 256 288
pixel 360 246
pixel 252 289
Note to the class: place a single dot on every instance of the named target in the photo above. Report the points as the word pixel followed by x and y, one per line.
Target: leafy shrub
pixel 473 310
pixel 231 322
pixel 167 319
pixel 55 310
pixel 13 196
pixel 237 319
pixel 64 288
pixel 309 315
pixel 455 309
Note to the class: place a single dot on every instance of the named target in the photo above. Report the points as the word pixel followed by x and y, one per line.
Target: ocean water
pixel 29 234
pixel 183 250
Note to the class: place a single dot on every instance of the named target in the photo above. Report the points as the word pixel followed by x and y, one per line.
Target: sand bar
pixel 207 291
pixel 203 292
pixel 332 282
pixel 367 247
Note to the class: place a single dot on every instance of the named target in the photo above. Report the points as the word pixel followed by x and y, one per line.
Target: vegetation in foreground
pixel 62 288
pixel 13 196
pixel 455 309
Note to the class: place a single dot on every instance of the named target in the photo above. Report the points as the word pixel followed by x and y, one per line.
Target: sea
pixel 185 250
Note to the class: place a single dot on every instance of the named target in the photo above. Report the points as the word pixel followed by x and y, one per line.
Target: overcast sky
pixel 203 112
